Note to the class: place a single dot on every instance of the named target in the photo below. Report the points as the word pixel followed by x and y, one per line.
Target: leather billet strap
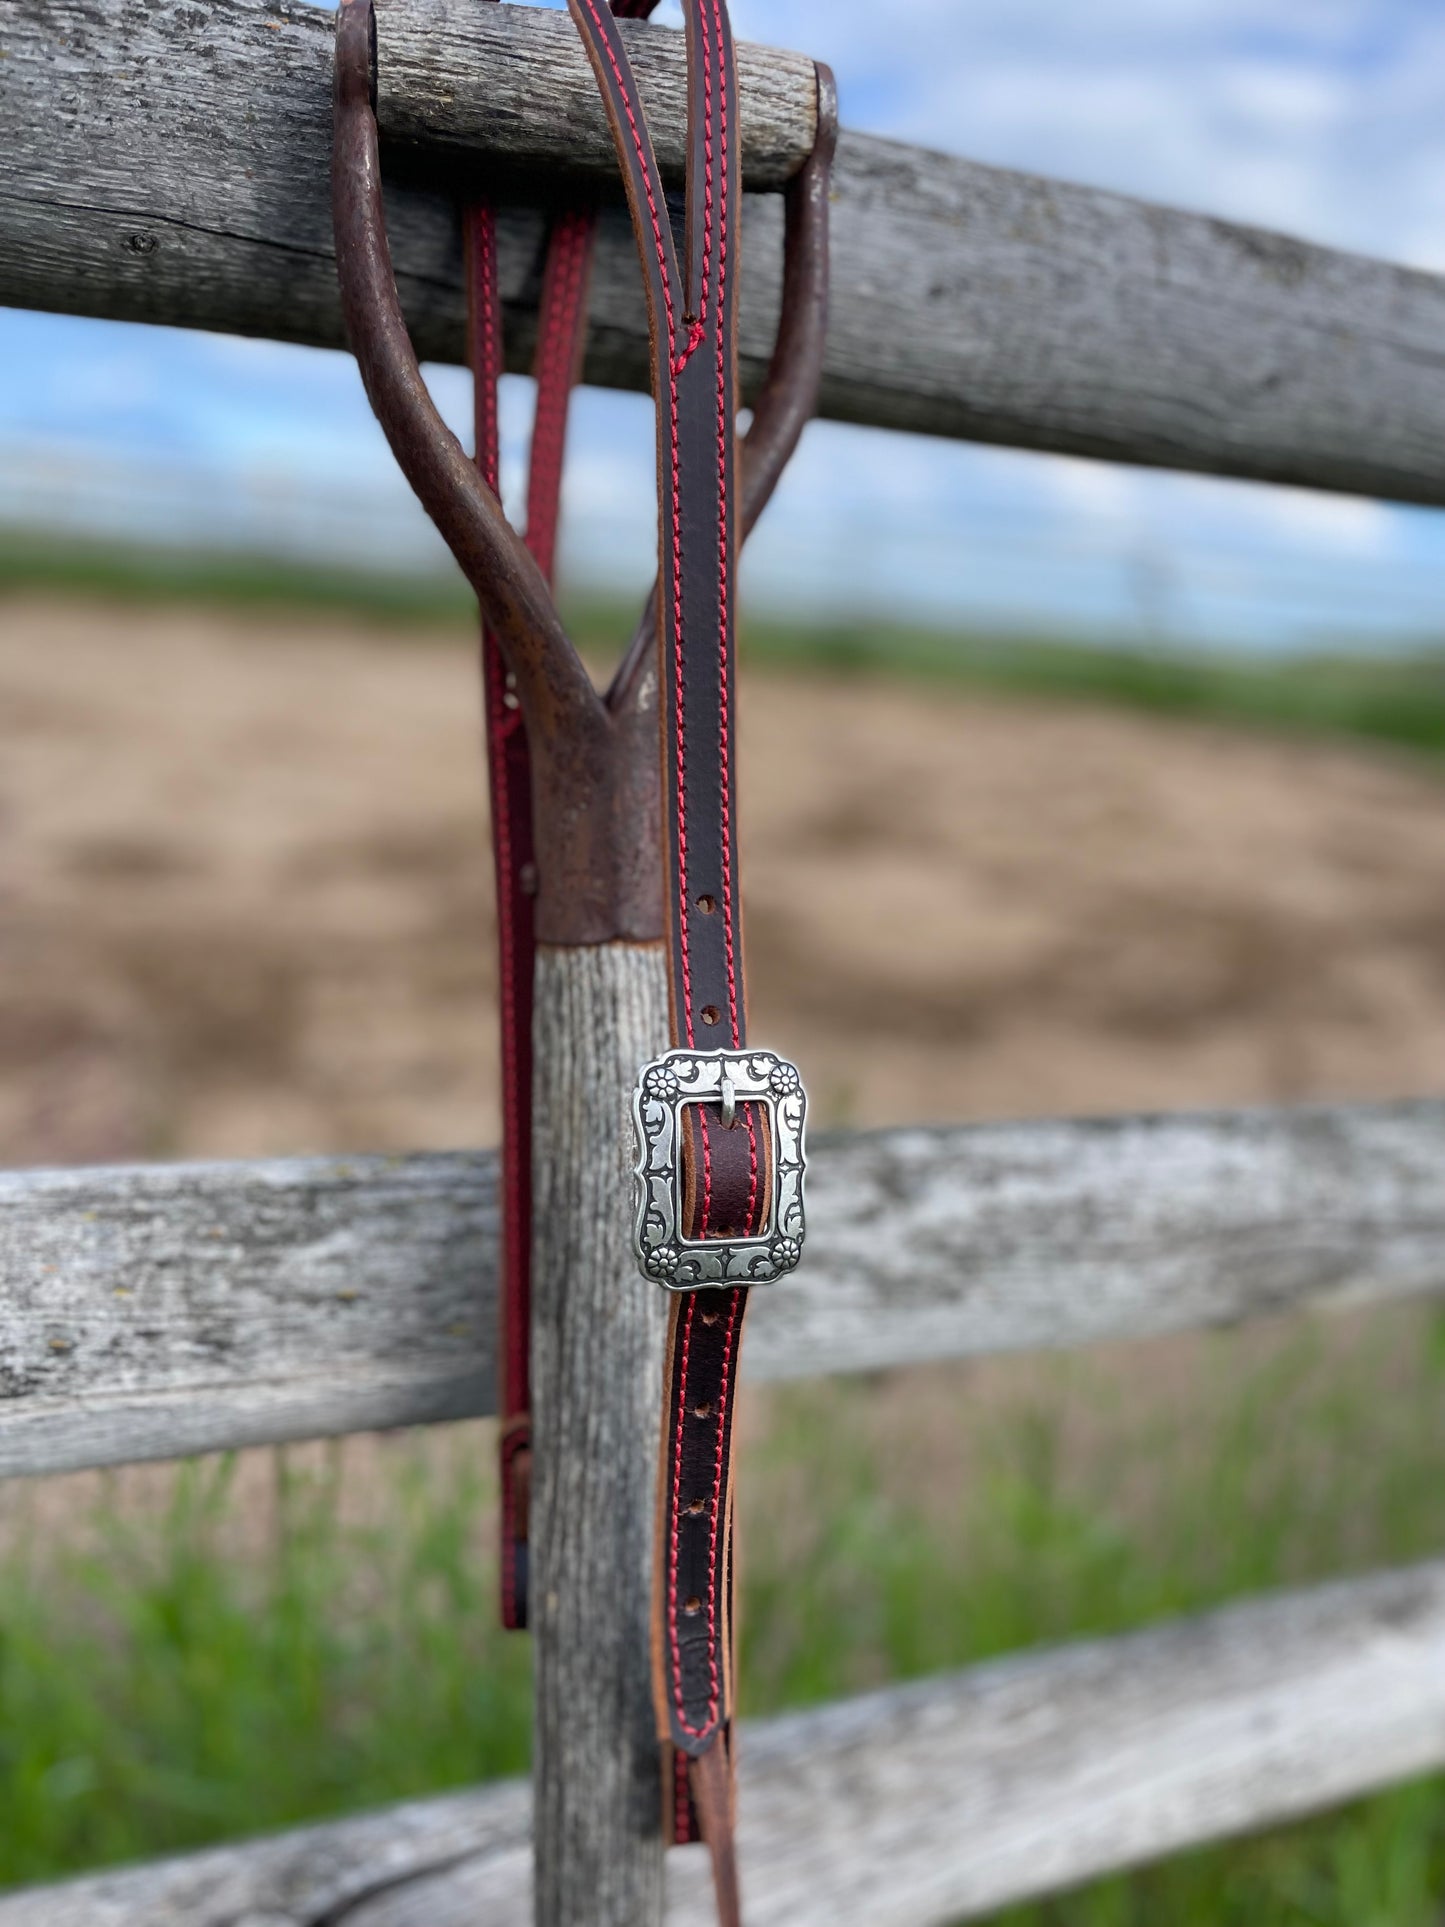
pixel 692 295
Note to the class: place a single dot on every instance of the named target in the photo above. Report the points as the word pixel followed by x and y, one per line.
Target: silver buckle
pixel 727 1077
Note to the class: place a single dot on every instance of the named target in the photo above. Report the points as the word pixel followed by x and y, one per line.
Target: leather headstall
pixel 718 1123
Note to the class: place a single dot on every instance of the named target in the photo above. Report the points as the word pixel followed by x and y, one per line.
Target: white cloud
pixel 1321 115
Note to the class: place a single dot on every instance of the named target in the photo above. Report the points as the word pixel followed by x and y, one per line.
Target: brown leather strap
pixel 714 1800
pixel 692 308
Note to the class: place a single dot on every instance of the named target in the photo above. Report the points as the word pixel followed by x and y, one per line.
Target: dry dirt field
pixel 245 909
pixel 245 898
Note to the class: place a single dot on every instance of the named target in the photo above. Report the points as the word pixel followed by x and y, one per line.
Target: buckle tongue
pixel 664 1089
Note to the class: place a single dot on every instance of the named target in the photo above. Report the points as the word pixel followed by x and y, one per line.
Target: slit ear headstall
pixel 616 814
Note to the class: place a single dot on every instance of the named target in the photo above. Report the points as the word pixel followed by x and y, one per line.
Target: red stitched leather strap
pixel 693 309
pixel 561 331
pixel 689 634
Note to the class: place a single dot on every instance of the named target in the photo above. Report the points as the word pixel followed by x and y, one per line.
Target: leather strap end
pixel 515 1451
pixel 712 1784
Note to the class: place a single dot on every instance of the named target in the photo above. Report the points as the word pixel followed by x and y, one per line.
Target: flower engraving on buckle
pixel 664 1089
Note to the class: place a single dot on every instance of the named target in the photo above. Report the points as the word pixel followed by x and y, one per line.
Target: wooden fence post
pixel 600 1011
pixel 597 1337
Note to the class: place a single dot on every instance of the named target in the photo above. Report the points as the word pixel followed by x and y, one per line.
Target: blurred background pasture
pixel 1141 778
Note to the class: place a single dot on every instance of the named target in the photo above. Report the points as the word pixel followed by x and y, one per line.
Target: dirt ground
pixel 245 898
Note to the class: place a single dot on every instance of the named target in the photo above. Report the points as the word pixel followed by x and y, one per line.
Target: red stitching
pixel 680 769
pixel 704 1225
pixel 676 1492
pixel 566 328
pixel 571 234
pixel 715 1690
pixel 707 187
pixel 752 1173
pixel 681 775
pixel 714 1680
pixel 485 234
pixel 676 363
pixel 720 1445
pixel 543 465
pixel 674 369
pixel 724 609
pixel 696 335
pixel 500 725
pixel 642 168
pixel 506 919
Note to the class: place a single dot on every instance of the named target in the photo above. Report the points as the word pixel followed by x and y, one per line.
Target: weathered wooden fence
pixel 168 163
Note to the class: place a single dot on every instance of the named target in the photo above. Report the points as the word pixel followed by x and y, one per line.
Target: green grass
pixel 160 1689
pixel 175 1675
pixel 1398 700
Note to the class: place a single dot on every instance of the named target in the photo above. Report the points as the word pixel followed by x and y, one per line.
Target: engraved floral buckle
pixel 665 1088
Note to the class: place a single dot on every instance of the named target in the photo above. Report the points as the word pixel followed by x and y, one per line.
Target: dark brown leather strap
pixel 692 308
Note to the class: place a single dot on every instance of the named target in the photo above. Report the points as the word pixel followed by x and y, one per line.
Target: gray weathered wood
pixel 924 1804
pixel 221 1305
pixel 457 81
pixel 165 162
pixel 307 1878
pixel 158 1310
pixel 597 1339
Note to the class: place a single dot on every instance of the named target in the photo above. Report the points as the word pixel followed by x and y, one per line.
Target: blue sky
pixel 1321 117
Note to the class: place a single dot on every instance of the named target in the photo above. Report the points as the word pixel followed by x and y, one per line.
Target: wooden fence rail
pixel 169 163
pixel 921 1805
pixel 157 1310
pixel 165 162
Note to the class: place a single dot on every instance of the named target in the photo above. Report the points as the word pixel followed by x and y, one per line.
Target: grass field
pixel 1391 699
pixel 249 1644
pixel 161 1686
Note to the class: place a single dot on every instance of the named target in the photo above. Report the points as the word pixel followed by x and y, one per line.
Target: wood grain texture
pixel 924 1804
pixel 318 1876
pixel 168 163
pixel 456 81
pixel 597 1338
pixel 152 1311
pixel 170 1309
